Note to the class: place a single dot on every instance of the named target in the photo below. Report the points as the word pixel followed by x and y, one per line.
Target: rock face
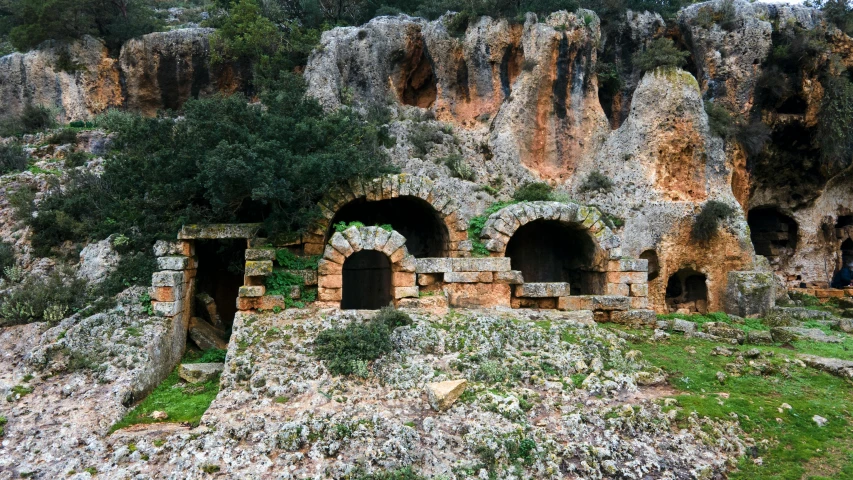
pixel 154 72
pixel 97 260
pixel 78 81
pixel 163 70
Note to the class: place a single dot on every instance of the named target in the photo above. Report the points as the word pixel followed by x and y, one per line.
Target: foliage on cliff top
pixel 661 52
pixel 224 161
pixel 28 23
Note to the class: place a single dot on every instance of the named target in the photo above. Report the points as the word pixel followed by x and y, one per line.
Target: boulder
pixel 842 368
pixel 97 260
pixel 846 325
pixel 791 316
pixel 813 334
pixel 750 293
pixel 442 395
pixel 208 305
pixel 722 330
pixel 759 337
pixel 205 335
pixel 635 318
pixel 200 372
pixel 683 326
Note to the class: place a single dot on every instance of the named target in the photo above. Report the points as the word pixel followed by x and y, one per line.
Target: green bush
pixel 345 350
pixel 660 53
pixel 12 158
pixel 35 21
pixel 50 298
pixel 63 137
pixel 596 182
pixel 33 118
pixel 291 261
pixel 719 119
pixel 458 167
pixel 75 159
pixel 7 257
pixel 708 221
pixel 533 192
pixel 225 161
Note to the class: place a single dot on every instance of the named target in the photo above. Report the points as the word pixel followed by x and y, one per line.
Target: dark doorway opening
pixel 550 251
pixel 220 276
pixel 414 218
pixel 654 264
pixel 366 281
pixel 687 289
pixel 773 233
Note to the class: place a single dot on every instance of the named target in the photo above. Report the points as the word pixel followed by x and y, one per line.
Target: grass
pixel 182 404
pixel 797 448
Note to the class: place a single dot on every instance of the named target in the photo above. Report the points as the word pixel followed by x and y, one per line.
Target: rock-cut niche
pixel 416 83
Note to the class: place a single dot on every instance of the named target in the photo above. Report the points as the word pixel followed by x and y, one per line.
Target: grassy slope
pixel 792 447
pixel 182 402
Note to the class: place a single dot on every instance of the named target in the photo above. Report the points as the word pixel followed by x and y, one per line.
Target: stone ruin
pixel 545 255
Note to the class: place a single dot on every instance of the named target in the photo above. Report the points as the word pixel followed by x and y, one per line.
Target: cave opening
pixel 366 281
pixel 654 264
pixel 773 233
pixel 414 218
pixel 552 251
pixel 687 290
pixel 418 83
pixel 219 277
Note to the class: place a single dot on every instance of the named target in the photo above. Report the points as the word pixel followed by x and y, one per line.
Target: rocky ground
pixel 551 395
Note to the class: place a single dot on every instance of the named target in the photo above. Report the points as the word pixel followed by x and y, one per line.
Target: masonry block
pixel 640 290
pixel 167 279
pixel 173 263
pixel 395 241
pixel 329 294
pixel 162 294
pixel 829 293
pixel 341 244
pixel 487 264
pixel 426 279
pixel 615 253
pixel 327 267
pixel 580 302
pixel 468 277
pixel 247 303
pixel 408 264
pixel 610 302
pixel 397 255
pixel 313 248
pixel 639 302
pixel 331 254
pixel 270 302
pixel 512 277
pixel 258 268
pixel 634 318
pixel 260 254
pixel 403 279
pixel 166 309
pixel 628 265
pixel 543 290
pixel 617 289
pixel 406 292
pixel 330 281
pixel 627 277
pixel 434 265
pixel 251 291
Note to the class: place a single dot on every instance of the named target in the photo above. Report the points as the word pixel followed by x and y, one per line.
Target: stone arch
pixel 386 188
pixel 503 224
pixel 342 245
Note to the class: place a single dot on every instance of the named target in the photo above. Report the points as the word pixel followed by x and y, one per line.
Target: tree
pixel 660 53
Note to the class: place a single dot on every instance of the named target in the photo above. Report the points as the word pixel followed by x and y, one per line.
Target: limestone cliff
pixel 154 72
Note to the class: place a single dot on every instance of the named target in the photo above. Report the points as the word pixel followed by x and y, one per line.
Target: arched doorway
pixel 773 234
pixel 366 281
pixel 552 251
pixel 687 290
pixel 425 231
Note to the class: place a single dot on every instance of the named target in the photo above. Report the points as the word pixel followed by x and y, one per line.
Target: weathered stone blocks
pixel 260 254
pixel 628 265
pixel 487 264
pixel 433 265
pixel 750 293
pixel 468 277
pixel 543 290
pixel 512 277
pixel 259 268
pixel 627 277
pixel 167 279
pixel 406 292
pixel 622 289
pixel 252 291
pixel 634 318
pixel 174 263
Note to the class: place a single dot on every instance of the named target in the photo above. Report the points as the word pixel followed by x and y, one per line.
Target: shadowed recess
pixel 366 281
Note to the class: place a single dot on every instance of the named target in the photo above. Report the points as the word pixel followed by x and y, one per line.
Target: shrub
pixel 12 158
pixel 63 137
pixel 458 167
pixel 596 182
pixel 660 53
pixel 35 118
pixel 423 136
pixel 719 119
pixel 753 135
pixel 7 257
pixel 166 173
pixel 533 192
pixel 708 221
pixel 75 159
pixel 346 349
pixel 38 299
